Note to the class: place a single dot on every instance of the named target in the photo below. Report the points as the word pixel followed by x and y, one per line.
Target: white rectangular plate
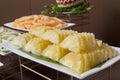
pixel 61 68
pixel 9 25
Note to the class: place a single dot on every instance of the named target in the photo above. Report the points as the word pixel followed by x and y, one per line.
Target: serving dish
pixel 60 67
pixel 9 25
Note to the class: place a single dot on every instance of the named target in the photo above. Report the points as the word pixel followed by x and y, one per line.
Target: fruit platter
pixel 76 54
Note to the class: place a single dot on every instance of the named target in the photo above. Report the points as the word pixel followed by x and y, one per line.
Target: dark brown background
pixel 104 18
pixel 104 22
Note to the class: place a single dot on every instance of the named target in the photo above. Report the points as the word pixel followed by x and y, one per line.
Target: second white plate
pixel 9 25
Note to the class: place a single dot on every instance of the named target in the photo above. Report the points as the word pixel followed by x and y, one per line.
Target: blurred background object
pixel 104 18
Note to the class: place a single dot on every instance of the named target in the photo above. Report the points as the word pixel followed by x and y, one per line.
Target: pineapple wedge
pixel 57 36
pixel 36 46
pixel 38 31
pixel 81 42
pixel 85 61
pixel 54 52
pixel 78 51
pixel 74 61
pixel 21 40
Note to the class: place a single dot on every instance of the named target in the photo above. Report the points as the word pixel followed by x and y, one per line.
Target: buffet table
pixel 57 67
pixel 93 77
pixel 106 67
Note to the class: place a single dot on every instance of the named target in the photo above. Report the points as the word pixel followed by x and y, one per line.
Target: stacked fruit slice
pixel 78 51
pixel 81 62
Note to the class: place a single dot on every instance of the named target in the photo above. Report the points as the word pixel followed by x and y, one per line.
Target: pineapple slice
pixel 21 40
pixel 82 42
pixel 72 43
pixel 53 36
pixel 69 32
pixel 57 36
pixel 54 52
pixel 36 46
pixel 85 61
pixel 110 52
pixel 38 31
pixel 74 61
pixel 87 64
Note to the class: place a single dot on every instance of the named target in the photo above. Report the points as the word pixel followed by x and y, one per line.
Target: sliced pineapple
pixel 21 40
pixel 54 52
pixel 82 42
pixel 69 32
pixel 36 46
pixel 74 61
pixel 57 36
pixel 38 31
pixel 53 36
pixel 78 51
pixel 72 43
pixel 85 61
